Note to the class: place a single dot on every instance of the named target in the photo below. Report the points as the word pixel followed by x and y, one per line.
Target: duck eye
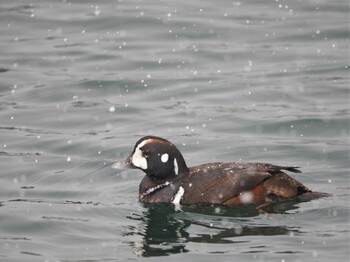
pixel 146 153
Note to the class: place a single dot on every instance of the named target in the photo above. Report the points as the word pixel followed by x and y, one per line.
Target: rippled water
pixel 81 81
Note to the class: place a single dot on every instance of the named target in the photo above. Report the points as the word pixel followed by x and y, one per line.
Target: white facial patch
pixel 176 167
pixel 178 196
pixel 138 159
pixel 164 158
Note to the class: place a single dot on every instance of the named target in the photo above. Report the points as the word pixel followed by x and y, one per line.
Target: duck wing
pixel 216 183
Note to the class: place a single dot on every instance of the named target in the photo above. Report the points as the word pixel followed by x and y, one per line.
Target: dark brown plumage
pixel 169 180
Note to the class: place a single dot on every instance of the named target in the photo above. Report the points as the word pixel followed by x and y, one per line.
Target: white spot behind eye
pixel 176 167
pixel 164 158
pixel 137 159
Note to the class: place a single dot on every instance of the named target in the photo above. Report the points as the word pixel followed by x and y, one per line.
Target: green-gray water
pixel 81 81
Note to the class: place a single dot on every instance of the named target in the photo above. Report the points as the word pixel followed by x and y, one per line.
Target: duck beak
pixel 123 164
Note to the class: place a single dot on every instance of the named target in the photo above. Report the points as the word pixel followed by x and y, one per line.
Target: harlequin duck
pixel 169 180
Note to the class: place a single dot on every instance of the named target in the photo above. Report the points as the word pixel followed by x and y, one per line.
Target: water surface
pixel 82 81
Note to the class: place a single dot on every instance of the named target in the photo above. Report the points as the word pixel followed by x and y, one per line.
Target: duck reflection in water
pixel 165 230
